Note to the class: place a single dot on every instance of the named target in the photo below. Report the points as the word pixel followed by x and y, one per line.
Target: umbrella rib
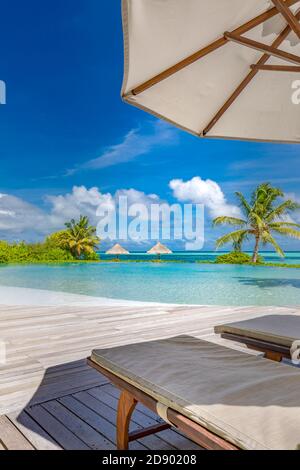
pixel 259 46
pixel 288 15
pixel 282 36
pixel 253 23
pixel 276 68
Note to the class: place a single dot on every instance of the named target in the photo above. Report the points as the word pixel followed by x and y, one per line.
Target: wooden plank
pixel 178 440
pixel 11 438
pixel 102 409
pixel 65 438
pixel 96 421
pixel 93 419
pixel 78 426
pixel 100 401
pixel 72 384
pixel 33 432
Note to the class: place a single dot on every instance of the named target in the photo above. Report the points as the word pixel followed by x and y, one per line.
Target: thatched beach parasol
pixel 117 250
pixel 159 249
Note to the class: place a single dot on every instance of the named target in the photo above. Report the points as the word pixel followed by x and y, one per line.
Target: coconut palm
pixel 80 237
pixel 262 218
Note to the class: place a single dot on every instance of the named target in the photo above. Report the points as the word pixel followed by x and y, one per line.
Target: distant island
pixel 78 242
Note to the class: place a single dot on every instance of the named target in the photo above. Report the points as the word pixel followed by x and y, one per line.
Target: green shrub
pixel 236 257
pixel 57 254
pixel 4 252
pixel 57 239
pixel 32 253
pixel 91 256
pixel 39 252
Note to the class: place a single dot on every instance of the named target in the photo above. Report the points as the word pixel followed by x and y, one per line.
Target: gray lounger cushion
pixel 251 402
pixel 278 329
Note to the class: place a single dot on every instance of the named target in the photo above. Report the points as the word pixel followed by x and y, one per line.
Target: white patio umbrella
pixel 216 68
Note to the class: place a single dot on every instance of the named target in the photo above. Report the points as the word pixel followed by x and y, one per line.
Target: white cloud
pixel 207 192
pixel 17 217
pixel 138 197
pixel 80 201
pixel 136 143
pixel 21 220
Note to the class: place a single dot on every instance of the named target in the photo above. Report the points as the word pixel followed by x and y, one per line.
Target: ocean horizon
pixel 291 257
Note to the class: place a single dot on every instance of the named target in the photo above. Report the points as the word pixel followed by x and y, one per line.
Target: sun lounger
pixel 219 397
pixel 272 334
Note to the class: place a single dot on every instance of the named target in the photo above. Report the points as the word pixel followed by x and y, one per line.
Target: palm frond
pixel 245 206
pixel 283 224
pixel 225 220
pixel 285 207
pixel 267 238
pixel 256 220
pixel 232 237
pixel 287 231
pixel 263 198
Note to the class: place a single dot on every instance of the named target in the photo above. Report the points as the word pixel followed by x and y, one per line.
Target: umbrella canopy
pixel 159 249
pixel 117 250
pixel 216 68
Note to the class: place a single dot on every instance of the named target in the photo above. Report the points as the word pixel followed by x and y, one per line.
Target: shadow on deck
pixel 51 399
pixel 67 413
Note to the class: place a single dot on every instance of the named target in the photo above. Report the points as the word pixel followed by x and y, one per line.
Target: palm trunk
pixel 255 252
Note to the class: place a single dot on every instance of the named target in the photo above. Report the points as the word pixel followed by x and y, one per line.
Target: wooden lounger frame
pixel 281 7
pixel 272 351
pixel 131 396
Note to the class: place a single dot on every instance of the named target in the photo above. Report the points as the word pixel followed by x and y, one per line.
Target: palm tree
pixel 262 218
pixel 80 237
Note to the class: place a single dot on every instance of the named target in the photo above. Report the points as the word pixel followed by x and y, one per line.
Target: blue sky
pixel 65 125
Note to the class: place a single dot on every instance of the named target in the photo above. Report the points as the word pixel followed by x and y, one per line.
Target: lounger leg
pixel 273 356
pixel 126 406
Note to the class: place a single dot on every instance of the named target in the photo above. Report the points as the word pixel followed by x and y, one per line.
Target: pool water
pixel 182 283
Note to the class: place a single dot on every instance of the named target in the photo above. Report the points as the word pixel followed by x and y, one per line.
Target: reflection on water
pixel 268 283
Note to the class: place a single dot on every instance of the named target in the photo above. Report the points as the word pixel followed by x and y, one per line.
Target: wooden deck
pixel 50 399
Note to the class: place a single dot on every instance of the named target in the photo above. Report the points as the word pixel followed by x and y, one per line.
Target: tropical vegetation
pixel 263 217
pixel 237 257
pixel 32 253
pixel 79 238
pixel 77 242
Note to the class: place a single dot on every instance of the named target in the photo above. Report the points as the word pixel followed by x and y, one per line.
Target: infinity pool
pixel 182 283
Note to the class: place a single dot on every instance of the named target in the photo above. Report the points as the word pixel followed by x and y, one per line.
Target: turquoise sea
pixel 292 257
pixel 183 283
